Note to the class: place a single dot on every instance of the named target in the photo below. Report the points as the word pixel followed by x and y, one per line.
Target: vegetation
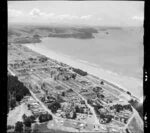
pixel 120 107
pixel 28 120
pixel 102 82
pixel 16 91
pixel 69 116
pixel 97 89
pixel 45 117
pixel 43 59
pixel 106 118
pixel 74 76
pixel 27 130
pixel 79 110
pixel 80 72
pixel 19 127
pixel 10 127
pixel 24 40
pixel 54 107
pixel 128 93
pixel 33 34
pixel 101 96
pixel 79 35
pixel 74 115
pixel 137 106
pixel 63 94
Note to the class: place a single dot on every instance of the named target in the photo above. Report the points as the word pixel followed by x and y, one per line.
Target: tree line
pixel 15 91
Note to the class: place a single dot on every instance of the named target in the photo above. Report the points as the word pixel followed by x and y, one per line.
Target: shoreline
pixel 98 72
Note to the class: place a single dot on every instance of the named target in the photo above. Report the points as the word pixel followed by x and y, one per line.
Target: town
pixel 69 94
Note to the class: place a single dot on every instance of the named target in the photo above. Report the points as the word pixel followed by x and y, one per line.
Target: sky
pixel 102 13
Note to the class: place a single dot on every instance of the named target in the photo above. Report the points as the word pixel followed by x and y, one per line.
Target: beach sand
pixel 135 86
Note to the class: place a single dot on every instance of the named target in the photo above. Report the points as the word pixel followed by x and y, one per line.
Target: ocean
pixel 119 52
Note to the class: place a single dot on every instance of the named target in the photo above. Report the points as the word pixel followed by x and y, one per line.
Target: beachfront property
pixel 67 94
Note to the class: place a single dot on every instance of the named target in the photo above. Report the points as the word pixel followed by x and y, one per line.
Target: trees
pixel 45 117
pixel 12 103
pixel 100 95
pixel 74 75
pixel 28 120
pixel 27 130
pixel 10 127
pixel 54 107
pixel 128 93
pixel 63 93
pixel 16 91
pixel 74 115
pixel 24 117
pixel 80 72
pixel 19 127
pixel 102 82
pixel 43 59
pixel 79 109
pixel 106 118
pixel 97 89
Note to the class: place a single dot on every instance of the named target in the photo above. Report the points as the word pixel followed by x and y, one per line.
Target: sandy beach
pixel 127 83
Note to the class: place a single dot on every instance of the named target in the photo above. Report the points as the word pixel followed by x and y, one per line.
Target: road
pixel 91 108
pixel 45 107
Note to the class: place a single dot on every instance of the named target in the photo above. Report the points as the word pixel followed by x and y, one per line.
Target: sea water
pixel 118 52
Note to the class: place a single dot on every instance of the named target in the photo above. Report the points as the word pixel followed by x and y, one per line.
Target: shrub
pixel 45 117
pixel 9 127
pixel 54 107
pixel 19 127
pixel 102 82
pixel 43 59
pixel 63 93
pixel 28 120
pixel 12 103
pixel 24 117
pixel 27 130
pixel 128 93
pixel 80 72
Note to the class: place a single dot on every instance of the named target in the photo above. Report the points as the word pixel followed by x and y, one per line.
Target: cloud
pixel 86 17
pixel 138 18
pixel 67 16
pixel 74 17
pixel 99 19
pixel 14 13
pixel 39 14
pixel 50 15
pixel 36 12
pixel 63 16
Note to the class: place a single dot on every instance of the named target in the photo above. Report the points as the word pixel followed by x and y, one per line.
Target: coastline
pixel 125 83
